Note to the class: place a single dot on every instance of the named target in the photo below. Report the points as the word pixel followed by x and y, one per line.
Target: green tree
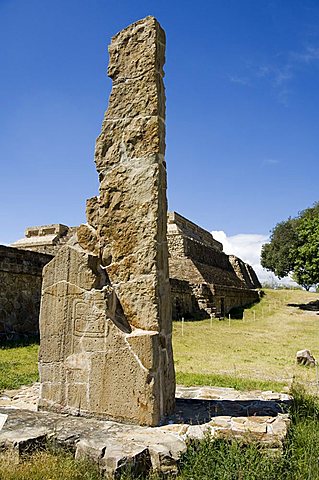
pixel 294 248
pixel 306 265
pixel 278 256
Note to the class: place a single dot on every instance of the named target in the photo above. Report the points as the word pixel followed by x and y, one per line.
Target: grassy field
pixel 46 465
pixel 256 352
pixel 18 366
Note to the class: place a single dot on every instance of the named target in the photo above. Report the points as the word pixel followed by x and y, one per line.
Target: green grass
pixel 232 460
pixel 46 465
pixel 223 460
pixel 18 366
pixel 215 380
pixel 260 348
pixel 255 353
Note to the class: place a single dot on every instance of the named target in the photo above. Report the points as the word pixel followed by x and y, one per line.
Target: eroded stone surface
pixel 245 416
pixel 105 318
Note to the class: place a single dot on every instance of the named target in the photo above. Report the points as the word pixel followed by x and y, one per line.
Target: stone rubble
pixel 220 412
pixel 304 357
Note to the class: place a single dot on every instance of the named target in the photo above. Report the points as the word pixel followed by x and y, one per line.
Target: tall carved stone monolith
pixel 105 315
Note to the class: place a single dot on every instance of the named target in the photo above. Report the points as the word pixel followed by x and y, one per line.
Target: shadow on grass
pixel 311 306
pixel 16 340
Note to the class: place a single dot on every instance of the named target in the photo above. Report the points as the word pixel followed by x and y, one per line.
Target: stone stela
pixel 105 321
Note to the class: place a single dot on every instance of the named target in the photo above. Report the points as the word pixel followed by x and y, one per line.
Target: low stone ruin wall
pixel 183 300
pixel 196 301
pixel 227 298
pixel 20 292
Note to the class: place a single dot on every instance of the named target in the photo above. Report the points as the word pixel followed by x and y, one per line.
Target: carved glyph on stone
pixel 106 315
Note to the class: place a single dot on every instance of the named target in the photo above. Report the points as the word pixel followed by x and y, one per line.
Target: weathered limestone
pixel 105 318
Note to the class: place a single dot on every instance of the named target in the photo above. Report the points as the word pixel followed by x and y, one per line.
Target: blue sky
pixel 242 91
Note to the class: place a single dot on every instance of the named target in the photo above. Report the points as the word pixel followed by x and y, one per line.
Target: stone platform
pixel 223 412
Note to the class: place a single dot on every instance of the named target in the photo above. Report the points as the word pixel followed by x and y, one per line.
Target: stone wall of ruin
pixel 227 298
pixel 184 303
pixel 253 277
pixel 208 256
pixel 196 301
pixel 20 292
pixel 244 272
pixel 176 246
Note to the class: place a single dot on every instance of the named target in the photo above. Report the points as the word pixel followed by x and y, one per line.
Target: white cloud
pixel 277 74
pixel 279 71
pixel 310 54
pixel 247 246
